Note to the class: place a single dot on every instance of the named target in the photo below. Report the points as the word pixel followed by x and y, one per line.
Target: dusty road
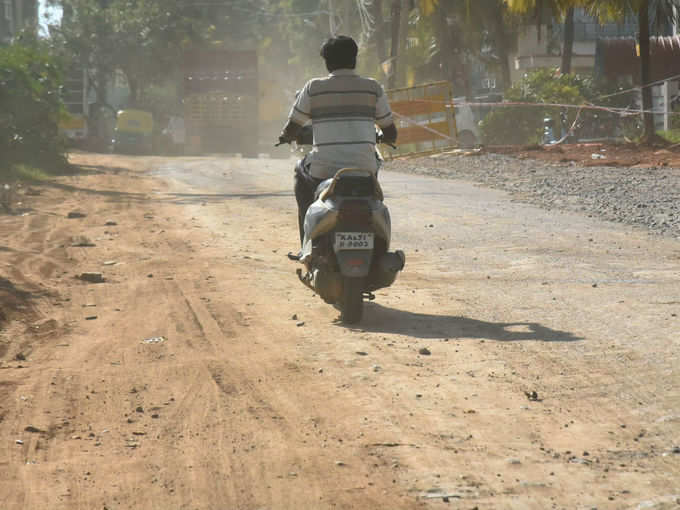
pixel 552 379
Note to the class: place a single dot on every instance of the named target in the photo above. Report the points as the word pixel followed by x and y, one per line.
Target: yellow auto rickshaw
pixel 133 132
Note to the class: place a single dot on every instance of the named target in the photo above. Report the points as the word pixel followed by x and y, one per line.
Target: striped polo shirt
pixel 344 108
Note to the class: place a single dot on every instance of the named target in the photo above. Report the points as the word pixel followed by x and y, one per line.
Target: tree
pixel 564 9
pixel 379 28
pixel 497 13
pixel 30 79
pixel 661 11
pixel 470 30
pixel 142 38
pixel 149 37
pixel 645 57
pixel 85 37
pixel 397 34
pixel 568 47
pixel 652 15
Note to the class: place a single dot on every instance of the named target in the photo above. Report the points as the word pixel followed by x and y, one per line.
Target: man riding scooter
pixel 344 109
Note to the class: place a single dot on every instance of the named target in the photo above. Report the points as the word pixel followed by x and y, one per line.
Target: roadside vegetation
pixel 518 125
pixel 141 43
pixel 671 136
pixel 522 125
pixel 22 172
pixel 30 109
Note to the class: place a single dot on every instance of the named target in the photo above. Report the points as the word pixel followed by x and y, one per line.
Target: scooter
pixel 345 251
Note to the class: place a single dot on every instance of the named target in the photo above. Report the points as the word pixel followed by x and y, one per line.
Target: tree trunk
pixel 133 85
pixel 379 33
pixel 501 40
pixel 645 71
pixel 539 18
pixel 445 43
pixel 568 47
pixel 101 90
pixel 453 59
pixel 394 50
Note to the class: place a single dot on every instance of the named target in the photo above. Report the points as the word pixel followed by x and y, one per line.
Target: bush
pixel 524 124
pixel 30 107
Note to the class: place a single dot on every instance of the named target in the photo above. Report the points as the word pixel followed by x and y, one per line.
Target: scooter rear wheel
pixel 352 306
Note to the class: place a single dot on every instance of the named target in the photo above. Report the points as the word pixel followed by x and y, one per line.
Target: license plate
pixel 354 240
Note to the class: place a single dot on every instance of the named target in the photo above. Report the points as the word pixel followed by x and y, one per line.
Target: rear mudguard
pixel 322 217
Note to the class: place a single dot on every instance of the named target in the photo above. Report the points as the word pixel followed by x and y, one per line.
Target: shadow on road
pixel 190 198
pixel 175 198
pixel 382 319
pixel 8 287
pixel 126 195
pixel 13 298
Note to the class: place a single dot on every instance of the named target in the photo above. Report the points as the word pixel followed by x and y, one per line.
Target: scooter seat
pixel 351 182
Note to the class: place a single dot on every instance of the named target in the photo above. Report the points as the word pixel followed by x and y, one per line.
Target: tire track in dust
pixel 244 418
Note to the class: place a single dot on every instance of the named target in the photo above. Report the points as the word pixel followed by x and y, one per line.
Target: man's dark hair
pixel 340 52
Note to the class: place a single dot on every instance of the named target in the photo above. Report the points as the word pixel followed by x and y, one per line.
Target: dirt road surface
pixel 524 359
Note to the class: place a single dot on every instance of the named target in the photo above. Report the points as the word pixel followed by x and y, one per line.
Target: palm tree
pixel 661 11
pixel 564 9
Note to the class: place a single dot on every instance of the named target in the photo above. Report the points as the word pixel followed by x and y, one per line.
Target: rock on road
pixel 524 359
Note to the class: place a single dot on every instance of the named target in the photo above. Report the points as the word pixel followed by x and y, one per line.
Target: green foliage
pixel 30 107
pixel 25 173
pixel 560 7
pixel 143 38
pixel 524 124
pixel 672 136
pixel 675 118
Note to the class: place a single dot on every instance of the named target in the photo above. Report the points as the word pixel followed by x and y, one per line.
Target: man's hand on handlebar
pixel 282 140
pixel 388 135
pixel 293 132
pixel 380 138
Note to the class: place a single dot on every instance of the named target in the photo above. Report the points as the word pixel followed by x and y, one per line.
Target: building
pixel 15 16
pixel 534 51
pixel 617 61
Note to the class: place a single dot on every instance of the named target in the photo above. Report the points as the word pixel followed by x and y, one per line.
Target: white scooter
pixel 346 244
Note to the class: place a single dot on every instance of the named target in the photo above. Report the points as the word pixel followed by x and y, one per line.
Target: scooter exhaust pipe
pixel 327 285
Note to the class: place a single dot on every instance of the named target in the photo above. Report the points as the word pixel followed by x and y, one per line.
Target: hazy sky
pixel 47 15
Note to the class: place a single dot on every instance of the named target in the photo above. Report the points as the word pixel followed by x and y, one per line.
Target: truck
pixel 220 96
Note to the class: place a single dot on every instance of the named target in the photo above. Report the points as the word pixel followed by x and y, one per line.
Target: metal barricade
pixel 424 118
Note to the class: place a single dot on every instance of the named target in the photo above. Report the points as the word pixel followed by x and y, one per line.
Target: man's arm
pixel 290 131
pixel 389 134
pixel 299 114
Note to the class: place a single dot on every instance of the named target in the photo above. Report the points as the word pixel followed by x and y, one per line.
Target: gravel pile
pixel 648 197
